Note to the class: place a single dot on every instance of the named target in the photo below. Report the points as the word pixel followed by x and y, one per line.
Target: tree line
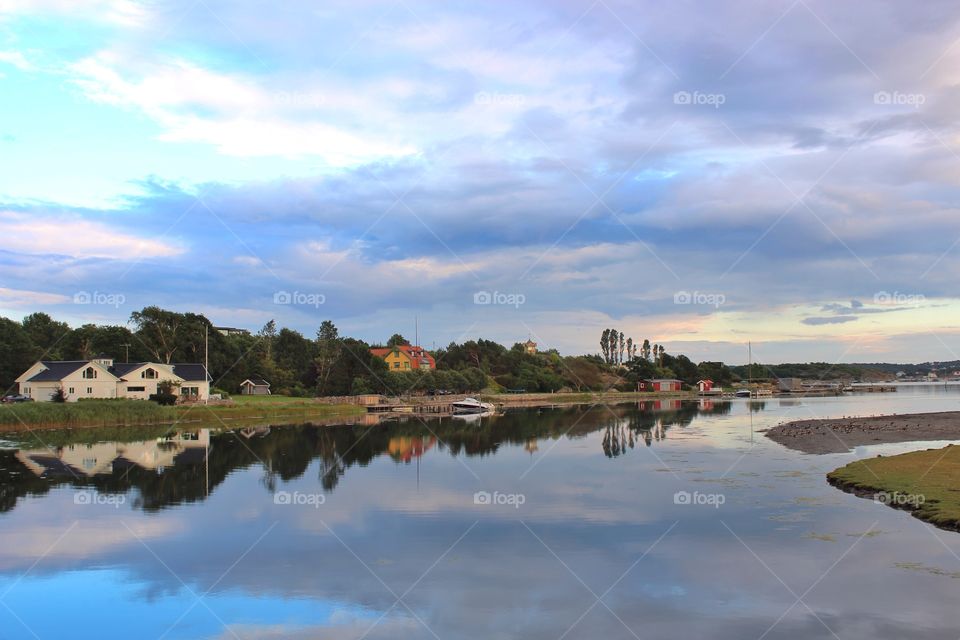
pixel 330 364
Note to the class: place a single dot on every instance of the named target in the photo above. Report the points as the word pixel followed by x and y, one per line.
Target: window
pixel 89 373
pixel 89 390
pixel 190 391
pixel 70 390
pixel 149 374
pixel 136 388
pixel 396 365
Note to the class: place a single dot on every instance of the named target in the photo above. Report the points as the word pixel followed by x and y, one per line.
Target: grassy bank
pixel 102 413
pixel 927 483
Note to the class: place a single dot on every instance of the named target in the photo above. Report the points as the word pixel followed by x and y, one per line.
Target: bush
pixel 165 399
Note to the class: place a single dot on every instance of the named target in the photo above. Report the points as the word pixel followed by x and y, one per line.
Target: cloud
pixel 21 298
pixel 41 234
pixel 819 321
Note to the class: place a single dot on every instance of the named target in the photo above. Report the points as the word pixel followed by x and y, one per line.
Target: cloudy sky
pixel 702 174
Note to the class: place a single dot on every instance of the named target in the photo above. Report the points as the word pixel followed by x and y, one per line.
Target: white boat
pixel 743 393
pixel 472 405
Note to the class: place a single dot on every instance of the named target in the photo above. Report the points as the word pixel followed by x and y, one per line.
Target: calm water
pixel 385 532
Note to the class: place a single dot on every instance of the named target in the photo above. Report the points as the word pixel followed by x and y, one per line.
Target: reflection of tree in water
pixel 650 424
pixel 284 454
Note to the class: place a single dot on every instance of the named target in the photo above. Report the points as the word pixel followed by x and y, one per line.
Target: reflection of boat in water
pixel 474 416
pixel 472 405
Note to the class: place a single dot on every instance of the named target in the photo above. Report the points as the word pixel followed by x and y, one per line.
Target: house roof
pixel 60 369
pixel 57 370
pixel 192 372
pixel 257 382
pixel 666 380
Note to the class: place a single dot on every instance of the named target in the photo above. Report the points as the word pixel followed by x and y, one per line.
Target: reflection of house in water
pixel 532 445
pixel 102 458
pixel 406 448
pixel 667 404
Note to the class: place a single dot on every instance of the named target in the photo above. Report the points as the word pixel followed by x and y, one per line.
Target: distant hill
pixel 867 371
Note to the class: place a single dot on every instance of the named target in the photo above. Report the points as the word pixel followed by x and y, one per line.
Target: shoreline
pixel 840 435
pixel 256 412
pixel 922 483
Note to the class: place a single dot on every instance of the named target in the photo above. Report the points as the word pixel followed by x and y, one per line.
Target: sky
pixel 699 174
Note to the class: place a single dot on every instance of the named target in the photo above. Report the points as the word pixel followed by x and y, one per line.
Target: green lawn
pixel 927 482
pixel 99 413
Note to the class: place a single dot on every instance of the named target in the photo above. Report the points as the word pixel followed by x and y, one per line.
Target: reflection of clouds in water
pixel 598 515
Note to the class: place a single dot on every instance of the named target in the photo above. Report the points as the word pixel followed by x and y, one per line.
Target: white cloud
pixel 16 59
pixel 41 234
pixel 239 117
pixel 23 298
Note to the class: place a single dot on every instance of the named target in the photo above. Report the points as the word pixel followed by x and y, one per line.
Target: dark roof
pixel 57 370
pixel 257 381
pixel 123 368
pixel 192 372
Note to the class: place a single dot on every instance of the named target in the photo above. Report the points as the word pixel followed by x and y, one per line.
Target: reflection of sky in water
pixel 591 525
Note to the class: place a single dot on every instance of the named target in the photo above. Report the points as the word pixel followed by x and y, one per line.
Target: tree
pixel 46 334
pixel 621 346
pixel 397 340
pixel 645 350
pixel 269 335
pixel 16 353
pixel 158 328
pixel 329 346
pixel 630 349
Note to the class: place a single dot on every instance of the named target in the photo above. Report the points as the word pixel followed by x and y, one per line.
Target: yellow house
pixel 405 357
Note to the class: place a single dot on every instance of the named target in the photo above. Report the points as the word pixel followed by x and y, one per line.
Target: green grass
pixel 102 413
pixel 932 476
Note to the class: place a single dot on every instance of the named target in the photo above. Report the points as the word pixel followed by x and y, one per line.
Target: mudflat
pixel 838 435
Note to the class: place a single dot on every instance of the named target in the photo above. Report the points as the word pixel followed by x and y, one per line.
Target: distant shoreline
pixel 840 435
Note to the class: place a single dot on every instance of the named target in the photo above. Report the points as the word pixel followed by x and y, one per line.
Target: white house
pixel 101 378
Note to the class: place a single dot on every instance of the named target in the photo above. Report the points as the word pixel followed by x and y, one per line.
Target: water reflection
pixel 186 466
pixel 401 519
